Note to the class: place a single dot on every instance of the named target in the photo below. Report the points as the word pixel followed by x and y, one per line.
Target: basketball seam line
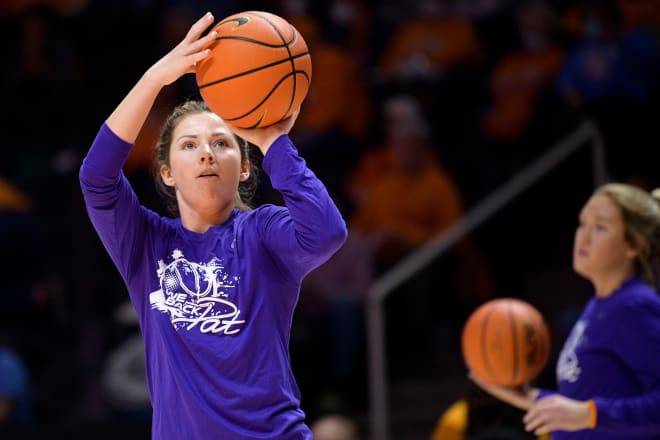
pixel 288 50
pixel 256 69
pixel 514 339
pixel 484 352
pixel 264 100
pixel 257 42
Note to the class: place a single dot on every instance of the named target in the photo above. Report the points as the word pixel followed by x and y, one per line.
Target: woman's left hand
pixel 265 136
pixel 557 412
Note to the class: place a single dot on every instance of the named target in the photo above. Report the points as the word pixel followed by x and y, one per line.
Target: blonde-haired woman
pixel 608 372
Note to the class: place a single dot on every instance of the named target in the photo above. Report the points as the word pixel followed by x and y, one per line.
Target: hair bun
pixel 656 195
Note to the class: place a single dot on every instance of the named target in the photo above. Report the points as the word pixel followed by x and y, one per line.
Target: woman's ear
pixel 245 171
pixel 635 246
pixel 166 175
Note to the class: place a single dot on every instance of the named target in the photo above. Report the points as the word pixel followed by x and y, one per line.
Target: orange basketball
pixel 258 71
pixel 506 342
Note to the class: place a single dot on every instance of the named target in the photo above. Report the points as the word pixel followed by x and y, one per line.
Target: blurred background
pixel 418 113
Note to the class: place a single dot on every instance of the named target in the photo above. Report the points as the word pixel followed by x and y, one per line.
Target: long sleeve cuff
pixel 593 413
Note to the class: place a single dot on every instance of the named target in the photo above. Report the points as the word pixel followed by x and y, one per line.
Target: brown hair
pixel 246 189
pixel 640 212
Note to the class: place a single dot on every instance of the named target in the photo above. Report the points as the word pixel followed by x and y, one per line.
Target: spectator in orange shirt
pixel 338 97
pixel 400 191
pixel 403 198
pixel 520 78
pixel 430 43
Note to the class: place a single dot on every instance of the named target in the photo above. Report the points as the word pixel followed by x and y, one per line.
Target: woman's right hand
pixel 185 55
pixel 129 116
pixel 522 397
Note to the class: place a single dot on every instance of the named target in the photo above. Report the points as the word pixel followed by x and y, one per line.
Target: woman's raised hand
pixel 184 57
pixel 129 116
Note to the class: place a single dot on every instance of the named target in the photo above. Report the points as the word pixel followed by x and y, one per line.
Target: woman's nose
pixel 585 236
pixel 206 154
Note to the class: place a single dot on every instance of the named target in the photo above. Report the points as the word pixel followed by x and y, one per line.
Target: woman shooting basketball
pixel 214 289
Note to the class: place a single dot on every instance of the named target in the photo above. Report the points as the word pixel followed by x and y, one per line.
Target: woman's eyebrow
pixel 193 136
pixel 604 217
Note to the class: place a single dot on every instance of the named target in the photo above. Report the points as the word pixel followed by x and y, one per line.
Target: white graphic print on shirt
pixel 197 295
pixel 568 366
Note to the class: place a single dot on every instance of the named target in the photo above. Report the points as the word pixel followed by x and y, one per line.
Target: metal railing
pixel 413 263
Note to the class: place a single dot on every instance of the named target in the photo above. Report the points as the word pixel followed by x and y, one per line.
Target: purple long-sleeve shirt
pixel 613 356
pixel 215 308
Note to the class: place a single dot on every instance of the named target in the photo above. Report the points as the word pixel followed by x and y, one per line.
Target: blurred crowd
pixel 417 110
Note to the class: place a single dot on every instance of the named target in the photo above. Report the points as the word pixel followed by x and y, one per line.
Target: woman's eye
pixel 220 143
pixel 188 146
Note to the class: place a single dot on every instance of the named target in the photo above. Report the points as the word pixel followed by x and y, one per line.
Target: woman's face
pixel 205 163
pixel 600 248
